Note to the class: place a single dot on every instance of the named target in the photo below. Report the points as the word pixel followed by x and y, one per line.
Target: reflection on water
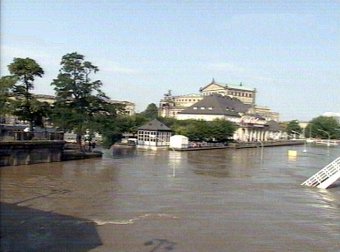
pixel 123 151
pixel 220 200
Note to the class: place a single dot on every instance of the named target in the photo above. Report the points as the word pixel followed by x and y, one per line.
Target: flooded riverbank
pixel 220 200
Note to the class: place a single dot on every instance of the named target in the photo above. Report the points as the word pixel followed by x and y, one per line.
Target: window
pixel 195 108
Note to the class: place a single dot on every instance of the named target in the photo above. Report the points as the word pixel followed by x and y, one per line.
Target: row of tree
pixel 320 127
pixel 80 103
pixel 81 106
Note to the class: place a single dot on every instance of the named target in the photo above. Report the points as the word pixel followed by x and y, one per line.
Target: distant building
pixel 173 106
pixel 244 94
pixel 130 108
pixel 170 105
pixel 251 127
pixel 215 107
pixel 153 135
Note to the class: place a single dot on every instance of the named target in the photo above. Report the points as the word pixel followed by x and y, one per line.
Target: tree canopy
pixel 25 106
pixel 6 84
pixel 323 127
pixel 199 130
pixel 293 127
pixel 80 103
pixel 151 111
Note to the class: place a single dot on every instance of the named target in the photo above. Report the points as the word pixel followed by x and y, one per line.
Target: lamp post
pixel 329 136
pixel 295 132
pixel 305 148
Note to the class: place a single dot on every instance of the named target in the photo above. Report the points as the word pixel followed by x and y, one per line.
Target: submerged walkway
pixel 243 145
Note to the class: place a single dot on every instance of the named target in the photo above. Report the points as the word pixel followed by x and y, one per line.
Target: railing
pixel 321 176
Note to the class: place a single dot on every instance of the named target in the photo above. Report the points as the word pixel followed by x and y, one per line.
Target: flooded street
pixel 134 200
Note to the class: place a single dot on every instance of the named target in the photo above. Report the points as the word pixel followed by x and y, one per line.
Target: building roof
pixel 155 125
pixel 274 126
pixel 228 86
pixel 217 105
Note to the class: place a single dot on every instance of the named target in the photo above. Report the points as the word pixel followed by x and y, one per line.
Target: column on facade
pixel 262 135
pixel 244 135
pixel 265 137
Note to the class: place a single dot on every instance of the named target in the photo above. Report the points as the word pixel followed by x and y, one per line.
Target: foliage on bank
pixel 323 127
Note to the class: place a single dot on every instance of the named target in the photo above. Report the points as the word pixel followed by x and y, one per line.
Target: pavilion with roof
pixel 153 135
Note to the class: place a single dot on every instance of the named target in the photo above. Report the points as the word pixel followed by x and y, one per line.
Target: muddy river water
pixel 134 200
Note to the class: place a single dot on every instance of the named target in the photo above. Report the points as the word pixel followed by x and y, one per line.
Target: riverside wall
pixel 30 152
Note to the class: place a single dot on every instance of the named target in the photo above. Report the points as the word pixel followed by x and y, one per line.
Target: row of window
pixel 203 108
pixel 241 94
pixel 211 108
pixel 187 100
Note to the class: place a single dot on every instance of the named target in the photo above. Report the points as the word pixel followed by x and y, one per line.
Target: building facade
pixel 172 106
pixel 250 127
pixel 244 94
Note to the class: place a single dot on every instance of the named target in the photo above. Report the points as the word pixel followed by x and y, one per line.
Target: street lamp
pixel 295 132
pixel 329 136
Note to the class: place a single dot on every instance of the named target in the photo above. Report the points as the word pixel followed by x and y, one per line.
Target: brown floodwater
pixel 135 200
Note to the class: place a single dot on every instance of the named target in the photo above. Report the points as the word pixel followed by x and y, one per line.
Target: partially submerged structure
pixel 153 135
pixel 179 142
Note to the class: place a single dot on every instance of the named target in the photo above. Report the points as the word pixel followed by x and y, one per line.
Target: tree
pixel 293 127
pixel 26 107
pixel 221 130
pixel 80 103
pixel 323 127
pixel 151 111
pixel 199 130
pixel 6 84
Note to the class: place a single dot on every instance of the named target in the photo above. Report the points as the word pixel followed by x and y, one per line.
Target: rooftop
pixel 154 125
pixel 230 86
pixel 217 105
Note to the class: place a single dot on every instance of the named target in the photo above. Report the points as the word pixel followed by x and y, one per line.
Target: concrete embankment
pixel 242 145
pixel 200 148
pixel 30 152
pixel 41 151
pixel 265 144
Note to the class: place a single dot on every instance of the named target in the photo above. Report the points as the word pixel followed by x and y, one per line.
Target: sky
pixel 288 50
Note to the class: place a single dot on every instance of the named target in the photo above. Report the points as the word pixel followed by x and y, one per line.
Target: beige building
pixel 251 127
pixel 172 106
pixel 130 108
pixel 244 94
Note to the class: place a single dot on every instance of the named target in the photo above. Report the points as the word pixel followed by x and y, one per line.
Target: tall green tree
pixel 80 103
pixel 221 130
pixel 6 84
pixel 26 107
pixel 323 127
pixel 151 111
pixel 293 127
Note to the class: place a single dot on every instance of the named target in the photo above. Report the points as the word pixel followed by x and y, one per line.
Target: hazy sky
pixel 288 50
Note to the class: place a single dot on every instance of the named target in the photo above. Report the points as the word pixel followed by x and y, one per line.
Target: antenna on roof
pixel 213 80
pixel 240 84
